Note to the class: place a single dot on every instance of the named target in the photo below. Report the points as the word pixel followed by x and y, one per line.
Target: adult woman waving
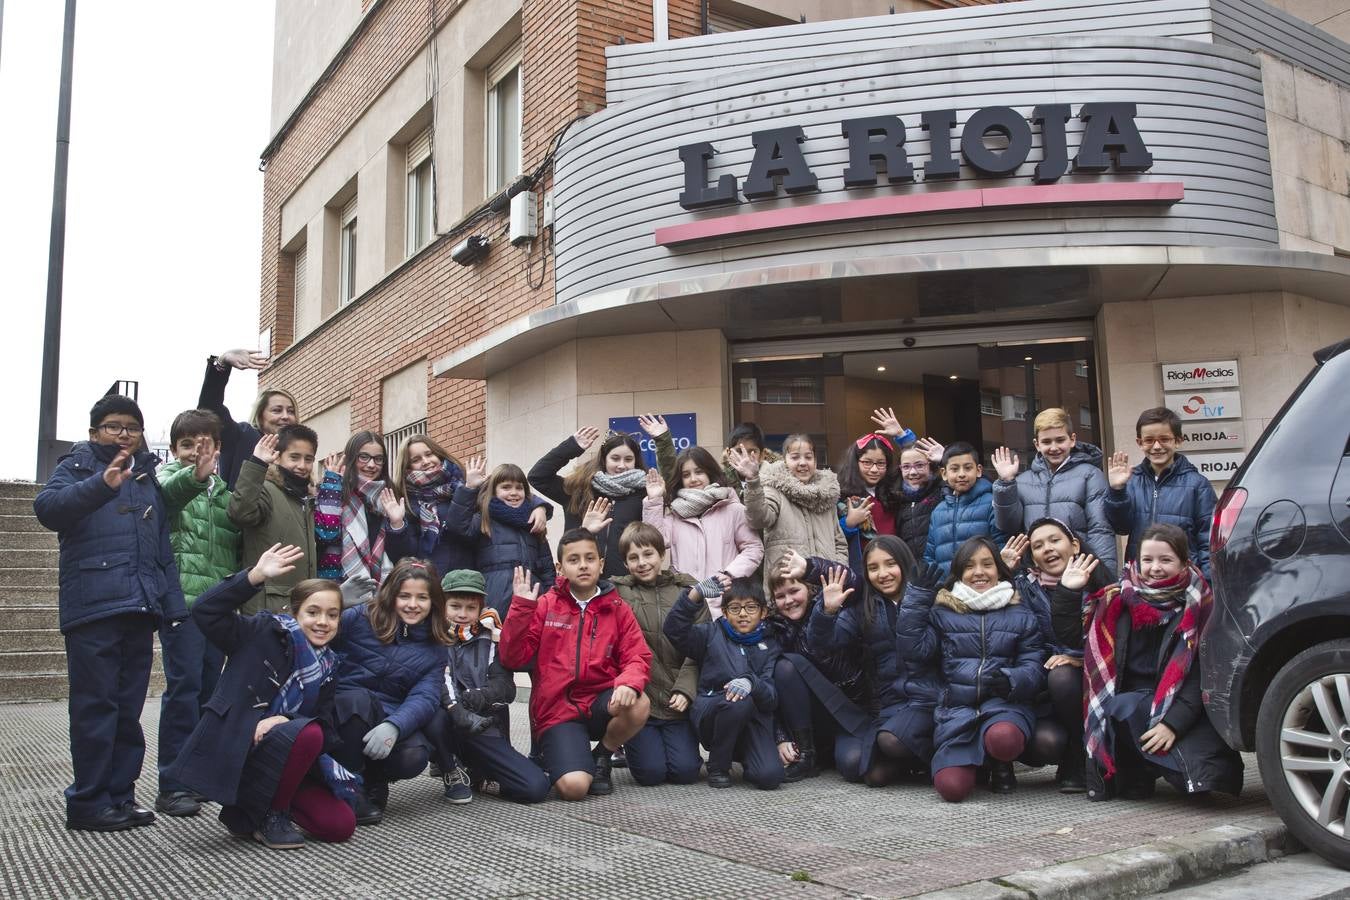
pixel 273 410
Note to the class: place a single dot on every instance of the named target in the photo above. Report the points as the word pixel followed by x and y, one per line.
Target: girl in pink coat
pixel 702 521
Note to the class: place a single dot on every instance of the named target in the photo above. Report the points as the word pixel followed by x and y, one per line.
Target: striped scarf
pixel 361 555
pixel 489 619
pixel 299 695
pixel 1147 605
pixel 425 490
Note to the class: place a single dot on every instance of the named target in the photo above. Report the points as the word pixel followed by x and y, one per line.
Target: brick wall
pixel 432 305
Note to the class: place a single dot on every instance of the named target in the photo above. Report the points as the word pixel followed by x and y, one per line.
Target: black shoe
pixel 138 814
pixel 367 813
pixel 278 833
pixel 804 767
pixel 1001 778
pixel 236 821
pixel 434 770
pixel 457 787
pixel 618 759
pixel 601 785
pixel 179 804
pixel 719 779
pixel 110 818
pixel 1135 786
pixel 1071 777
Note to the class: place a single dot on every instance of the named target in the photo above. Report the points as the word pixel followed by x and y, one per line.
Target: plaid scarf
pixel 1147 605
pixel 426 489
pixel 361 555
pixel 299 695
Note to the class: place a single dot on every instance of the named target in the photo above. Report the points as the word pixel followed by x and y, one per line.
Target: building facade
pixel 964 211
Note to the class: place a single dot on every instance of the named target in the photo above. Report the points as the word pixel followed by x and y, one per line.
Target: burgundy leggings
pixel 312 806
pixel 1003 741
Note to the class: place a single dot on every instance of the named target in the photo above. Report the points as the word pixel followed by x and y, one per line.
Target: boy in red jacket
pixel 590 667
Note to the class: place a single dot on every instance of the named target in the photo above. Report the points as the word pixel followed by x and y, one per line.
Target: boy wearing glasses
pixel 1165 488
pixel 118 583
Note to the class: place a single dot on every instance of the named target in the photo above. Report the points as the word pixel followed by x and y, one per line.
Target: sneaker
pixel 619 759
pixel 278 833
pixel 601 785
pixel 1002 780
pixel 179 804
pixel 719 779
pixel 138 814
pixel 457 788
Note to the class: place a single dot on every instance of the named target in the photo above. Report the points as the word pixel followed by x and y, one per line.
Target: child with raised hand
pixel 988 645
pixel 749 439
pixel 476 689
pixel 615 474
pixel 206 547
pixel 1145 717
pixel 666 749
pixel 359 522
pixel 967 507
pixel 389 684
pixel 118 584
pixel 1164 488
pixel 496 517
pixel 259 748
pixel 793 504
pixel 701 520
pixel 902 691
pixel 866 493
pixel 1065 481
pixel 273 503
pixel 581 690
pixel 821 696
pixel 733 711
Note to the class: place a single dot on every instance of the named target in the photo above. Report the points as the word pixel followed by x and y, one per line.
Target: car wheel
pixel 1303 748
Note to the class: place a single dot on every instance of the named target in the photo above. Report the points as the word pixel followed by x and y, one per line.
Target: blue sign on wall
pixel 683 432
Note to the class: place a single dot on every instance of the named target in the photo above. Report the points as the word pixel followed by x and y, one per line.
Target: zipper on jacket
pixel 581 628
pixel 982 657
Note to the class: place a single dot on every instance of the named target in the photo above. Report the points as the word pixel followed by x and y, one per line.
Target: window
pixel 1085 416
pixel 990 404
pixel 790 390
pixel 418 227
pixel 347 253
pixel 748 393
pixel 393 440
pixel 301 261
pixel 503 120
pixel 1080 369
pixel 1014 407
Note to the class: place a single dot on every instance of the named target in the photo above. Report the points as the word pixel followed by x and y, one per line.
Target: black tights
pixel 891 760
pixel 1066 699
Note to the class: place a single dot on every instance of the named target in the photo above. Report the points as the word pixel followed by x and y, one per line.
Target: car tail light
pixel 1226 516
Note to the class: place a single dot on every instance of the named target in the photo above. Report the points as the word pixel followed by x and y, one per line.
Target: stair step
pixel 25 522
pixel 16 506
pixel 42 595
pixel 14 558
pixel 30 577
pixel 56 686
pixel 40 637
pixel 24 662
pixel 26 490
pixel 24 617
pixel 28 540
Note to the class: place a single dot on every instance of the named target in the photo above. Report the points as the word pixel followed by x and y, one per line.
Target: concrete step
pixel 20 617
pixel 12 558
pixel 16 506
pixel 25 490
pixel 30 577
pixel 38 595
pixel 25 522
pixel 26 662
pixel 46 637
pixel 28 540
pixel 56 685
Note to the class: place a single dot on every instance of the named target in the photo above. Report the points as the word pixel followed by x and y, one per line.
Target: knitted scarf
pixel 489 619
pixel 517 517
pixel 360 554
pixel 299 695
pixel 294 485
pixel 619 486
pixel 426 489
pixel 690 503
pixel 996 597
pixel 1147 605
pixel 817 495
pixel 745 640
pixel 1044 579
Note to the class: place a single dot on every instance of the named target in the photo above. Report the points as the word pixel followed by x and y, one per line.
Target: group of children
pixel 902 617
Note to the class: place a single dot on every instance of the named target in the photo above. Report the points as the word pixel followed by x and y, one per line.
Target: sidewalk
pixel 670 841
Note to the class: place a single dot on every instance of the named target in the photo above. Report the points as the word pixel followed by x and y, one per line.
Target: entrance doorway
pixel 986 393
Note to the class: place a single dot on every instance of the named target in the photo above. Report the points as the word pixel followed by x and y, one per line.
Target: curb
pixel 1146 869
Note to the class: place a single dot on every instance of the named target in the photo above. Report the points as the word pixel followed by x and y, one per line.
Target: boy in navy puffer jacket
pixel 118 582
pixel 966 509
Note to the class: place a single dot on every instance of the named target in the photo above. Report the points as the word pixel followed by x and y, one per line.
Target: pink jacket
pixel 721 540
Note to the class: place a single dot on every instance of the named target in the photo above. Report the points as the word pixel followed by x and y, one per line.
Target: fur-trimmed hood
pixel 817 495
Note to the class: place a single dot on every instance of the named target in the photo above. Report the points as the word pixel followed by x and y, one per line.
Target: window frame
pixel 418 227
pixel 498 71
pixel 347 237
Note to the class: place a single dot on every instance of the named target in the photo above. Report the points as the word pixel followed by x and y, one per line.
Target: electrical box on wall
pixel 524 218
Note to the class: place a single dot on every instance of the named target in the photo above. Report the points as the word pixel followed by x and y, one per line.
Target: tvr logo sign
pixel 1210 405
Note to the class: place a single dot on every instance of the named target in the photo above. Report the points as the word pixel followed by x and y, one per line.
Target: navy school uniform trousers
pixel 726 727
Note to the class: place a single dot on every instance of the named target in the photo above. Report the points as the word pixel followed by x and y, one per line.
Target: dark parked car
pixel 1276 654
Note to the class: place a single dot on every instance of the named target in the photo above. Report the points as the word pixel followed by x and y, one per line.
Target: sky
pixel 169 112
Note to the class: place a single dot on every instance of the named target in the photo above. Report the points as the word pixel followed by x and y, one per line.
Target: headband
pixel 868 438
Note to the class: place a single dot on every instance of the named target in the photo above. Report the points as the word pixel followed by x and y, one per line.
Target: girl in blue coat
pixel 259 747
pixel 901 690
pixel 988 644
pixel 493 515
pixel 389 685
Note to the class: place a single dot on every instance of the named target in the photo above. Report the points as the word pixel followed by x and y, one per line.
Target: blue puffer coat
pixel 405 675
pixel 957 519
pixel 1180 496
pixel 115 552
pixel 1075 494
pixel 497 556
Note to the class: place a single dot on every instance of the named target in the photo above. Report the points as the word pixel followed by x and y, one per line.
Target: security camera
pixel 909 342
pixel 470 250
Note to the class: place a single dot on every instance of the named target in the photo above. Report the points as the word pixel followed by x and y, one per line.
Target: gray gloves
pixel 709 587
pixel 739 687
pixel 380 740
pixel 357 590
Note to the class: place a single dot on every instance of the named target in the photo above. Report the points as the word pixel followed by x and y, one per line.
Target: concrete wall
pixel 1332 16
pixel 1271 335
pixel 308 33
pixel 333 426
pixel 403 397
pixel 1308 121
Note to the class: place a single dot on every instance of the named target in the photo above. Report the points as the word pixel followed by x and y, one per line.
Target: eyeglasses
pixel 740 609
pixel 914 467
pixel 368 458
pixel 871 464
pixel 112 429
pixel 1164 441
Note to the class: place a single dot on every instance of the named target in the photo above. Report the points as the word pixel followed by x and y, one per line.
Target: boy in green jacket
pixel 206 547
